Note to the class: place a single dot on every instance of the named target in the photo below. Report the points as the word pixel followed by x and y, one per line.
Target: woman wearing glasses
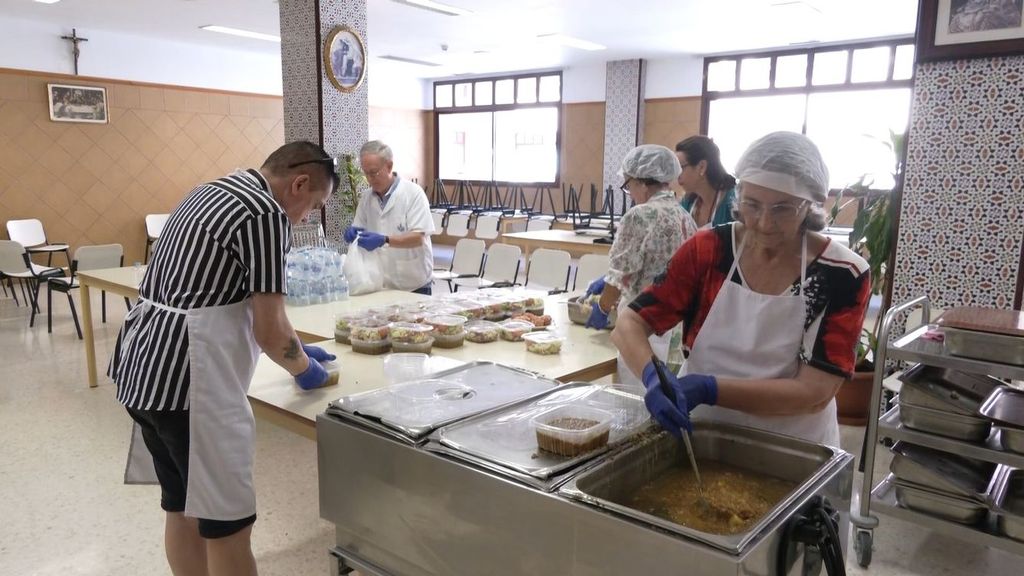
pixel 772 309
pixel 650 232
pixel 710 189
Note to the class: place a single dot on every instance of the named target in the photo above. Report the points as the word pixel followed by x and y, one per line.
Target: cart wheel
pixel 862 545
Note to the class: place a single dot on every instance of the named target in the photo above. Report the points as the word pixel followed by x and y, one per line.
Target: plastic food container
pixel 373 347
pixel 405 367
pixel 543 343
pixel 371 329
pixel 471 309
pixel 410 332
pixel 482 331
pixel 513 330
pixel 446 324
pixel 450 340
pixel 572 430
pixel 534 305
pixel 392 313
pixel 423 347
pixel 343 325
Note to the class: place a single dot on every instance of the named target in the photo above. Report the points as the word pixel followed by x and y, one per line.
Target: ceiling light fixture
pixel 438 7
pixel 47 1
pixel 572 42
pixel 242 33
pixel 408 60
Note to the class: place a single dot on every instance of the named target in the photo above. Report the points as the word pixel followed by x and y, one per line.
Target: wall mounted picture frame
pixel 955 29
pixel 73 103
pixel 344 58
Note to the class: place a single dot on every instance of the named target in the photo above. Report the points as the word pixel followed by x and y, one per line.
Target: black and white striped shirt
pixel 226 240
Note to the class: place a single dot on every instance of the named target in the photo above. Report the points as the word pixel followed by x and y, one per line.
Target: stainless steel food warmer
pixel 474 496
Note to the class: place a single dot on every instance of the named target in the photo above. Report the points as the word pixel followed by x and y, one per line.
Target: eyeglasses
pixel 782 213
pixel 332 162
pixel 625 186
pixel 374 173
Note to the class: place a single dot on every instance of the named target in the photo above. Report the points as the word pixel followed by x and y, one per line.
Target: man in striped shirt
pixel 211 299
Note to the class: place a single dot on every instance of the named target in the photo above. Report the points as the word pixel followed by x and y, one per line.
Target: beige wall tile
pixel 151 98
pixel 13 87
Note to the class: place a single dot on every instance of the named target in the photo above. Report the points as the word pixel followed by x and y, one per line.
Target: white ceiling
pixel 506 30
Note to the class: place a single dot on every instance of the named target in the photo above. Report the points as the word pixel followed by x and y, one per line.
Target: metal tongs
pixel 671 394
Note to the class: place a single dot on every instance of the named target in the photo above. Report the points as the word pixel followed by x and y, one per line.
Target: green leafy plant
pixel 352 182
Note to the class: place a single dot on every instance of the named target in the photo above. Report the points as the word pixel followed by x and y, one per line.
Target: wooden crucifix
pixel 75 39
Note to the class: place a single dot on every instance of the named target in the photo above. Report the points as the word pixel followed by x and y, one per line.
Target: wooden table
pixel 119 281
pixel 586 355
pixel 574 244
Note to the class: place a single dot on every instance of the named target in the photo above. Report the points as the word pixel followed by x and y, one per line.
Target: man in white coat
pixel 394 217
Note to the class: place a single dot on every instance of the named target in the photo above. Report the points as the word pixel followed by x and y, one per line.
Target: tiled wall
pixel 624 116
pixel 94 183
pixel 962 220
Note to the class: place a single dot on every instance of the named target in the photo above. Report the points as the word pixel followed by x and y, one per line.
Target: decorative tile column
pixel 962 218
pixel 623 118
pixel 313 108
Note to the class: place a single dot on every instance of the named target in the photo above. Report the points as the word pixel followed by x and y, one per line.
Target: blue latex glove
pixel 596 287
pixel 351 232
pixel 597 319
pixel 371 240
pixel 317 353
pixel 691 391
pixel 313 377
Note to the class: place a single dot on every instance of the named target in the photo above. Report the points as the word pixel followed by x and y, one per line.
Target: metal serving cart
pixel 985 523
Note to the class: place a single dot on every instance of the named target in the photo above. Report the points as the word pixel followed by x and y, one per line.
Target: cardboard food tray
pixel 994 320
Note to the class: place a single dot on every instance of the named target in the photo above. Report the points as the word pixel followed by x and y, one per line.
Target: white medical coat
pixel 407 210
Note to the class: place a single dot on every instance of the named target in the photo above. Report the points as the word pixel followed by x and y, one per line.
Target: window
pixel 499 129
pixel 846 99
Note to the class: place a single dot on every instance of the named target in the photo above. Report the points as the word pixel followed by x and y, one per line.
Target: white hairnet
pixel 787 162
pixel 651 161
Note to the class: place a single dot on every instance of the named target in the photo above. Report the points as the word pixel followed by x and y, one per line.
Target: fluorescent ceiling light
pixel 445 9
pixel 47 1
pixel 408 60
pixel 242 33
pixel 572 42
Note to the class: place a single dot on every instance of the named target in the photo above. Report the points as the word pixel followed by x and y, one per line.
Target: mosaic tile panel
pixel 299 52
pixel 623 117
pixel 962 220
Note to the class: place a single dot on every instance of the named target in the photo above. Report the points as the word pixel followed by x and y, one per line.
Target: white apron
pixel 752 335
pixel 222 359
pixel 660 346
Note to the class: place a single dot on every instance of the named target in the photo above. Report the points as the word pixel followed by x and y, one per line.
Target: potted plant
pixel 353 181
pixel 873 238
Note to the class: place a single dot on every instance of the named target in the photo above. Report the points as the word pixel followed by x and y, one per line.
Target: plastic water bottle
pixel 342 287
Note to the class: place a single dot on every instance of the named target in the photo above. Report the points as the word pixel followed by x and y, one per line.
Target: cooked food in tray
pixel 736 498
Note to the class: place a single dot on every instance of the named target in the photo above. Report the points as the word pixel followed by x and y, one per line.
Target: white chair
pixel 467 261
pixel 16 265
pixel 458 225
pixel 154 227
pixel 29 233
pixel 500 269
pixel 438 218
pixel 590 268
pixel 86 258
pixel 549 270
pixel 487 226
pixel 538 224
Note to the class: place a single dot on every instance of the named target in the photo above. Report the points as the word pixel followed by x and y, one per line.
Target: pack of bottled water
pixel 315 276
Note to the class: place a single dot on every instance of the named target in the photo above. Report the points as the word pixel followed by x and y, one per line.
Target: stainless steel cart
pixel 880 498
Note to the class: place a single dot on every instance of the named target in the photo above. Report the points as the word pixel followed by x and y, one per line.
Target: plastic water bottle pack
pixel 315 276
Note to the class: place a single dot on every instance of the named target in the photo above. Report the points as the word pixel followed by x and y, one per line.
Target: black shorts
pixel 166 435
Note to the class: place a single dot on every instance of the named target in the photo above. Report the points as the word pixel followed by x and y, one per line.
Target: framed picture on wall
pixel 954 29
pixel 71 103
pixel 344 58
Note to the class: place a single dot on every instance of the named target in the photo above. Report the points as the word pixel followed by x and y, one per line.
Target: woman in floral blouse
pixel 646 239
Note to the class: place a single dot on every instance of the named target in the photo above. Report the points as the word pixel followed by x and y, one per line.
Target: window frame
pixel 808 88
pixel 453 109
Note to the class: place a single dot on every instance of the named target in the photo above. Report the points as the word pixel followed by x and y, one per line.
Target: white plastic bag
pixel 362 270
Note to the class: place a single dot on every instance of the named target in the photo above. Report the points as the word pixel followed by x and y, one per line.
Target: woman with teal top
pixel 710 191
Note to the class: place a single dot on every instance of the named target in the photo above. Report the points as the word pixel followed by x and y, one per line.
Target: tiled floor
pixel 64 510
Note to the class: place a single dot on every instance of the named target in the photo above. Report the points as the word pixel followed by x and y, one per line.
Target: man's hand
pixel 351 233
pixel 371 240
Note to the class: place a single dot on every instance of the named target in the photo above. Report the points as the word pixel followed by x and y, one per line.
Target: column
pixel 623 118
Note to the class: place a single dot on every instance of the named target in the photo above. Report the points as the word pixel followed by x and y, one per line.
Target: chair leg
pixel 127 304
pixel 74 315
pixel 49 309
pixel 103 306
pixel 24 293
pixel 35 304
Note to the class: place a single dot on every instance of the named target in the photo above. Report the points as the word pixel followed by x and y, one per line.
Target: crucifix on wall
pixel 75 39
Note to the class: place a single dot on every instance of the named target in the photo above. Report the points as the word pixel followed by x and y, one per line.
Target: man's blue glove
pixel 596 287
pixel 690 391
pixel 314 376
pixel 597 319
pixel 350 233
pixel 317 353
pixel 371 240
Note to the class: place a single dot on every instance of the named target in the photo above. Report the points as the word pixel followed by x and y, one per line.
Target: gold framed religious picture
pixel 344 58
pixel 954 29
pixel 71 103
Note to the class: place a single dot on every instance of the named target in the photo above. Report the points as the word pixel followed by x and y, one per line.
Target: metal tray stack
pixel 946 402
pixel 1008 502
pixel 940 483
pixel 1005 407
